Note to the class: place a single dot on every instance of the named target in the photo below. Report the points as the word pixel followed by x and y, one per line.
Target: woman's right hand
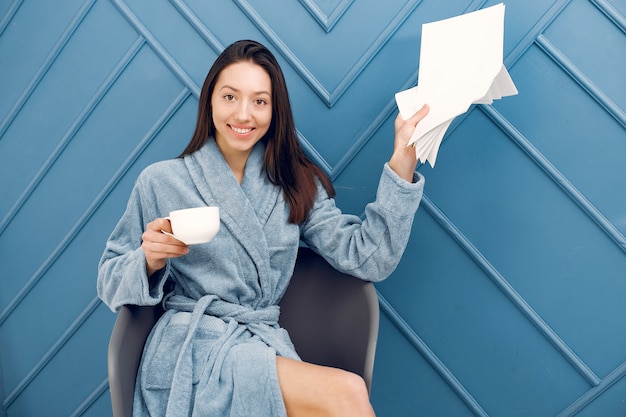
pixel 159 247
pixel 403 160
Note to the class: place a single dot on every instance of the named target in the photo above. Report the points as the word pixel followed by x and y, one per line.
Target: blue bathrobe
pixel 213 353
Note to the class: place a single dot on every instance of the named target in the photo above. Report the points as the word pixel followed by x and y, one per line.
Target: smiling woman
pixel 219 349
pixel 284 162
pixel 242 112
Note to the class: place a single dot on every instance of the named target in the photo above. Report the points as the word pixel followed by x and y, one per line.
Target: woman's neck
pixel 237 164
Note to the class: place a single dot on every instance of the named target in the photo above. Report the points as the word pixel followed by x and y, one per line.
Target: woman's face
pixel 241 105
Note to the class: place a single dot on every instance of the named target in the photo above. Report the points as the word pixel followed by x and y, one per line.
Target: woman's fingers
pixel 160 224
pixel 421 113
pixel 406 127
pixel 158 247
pixel 403 160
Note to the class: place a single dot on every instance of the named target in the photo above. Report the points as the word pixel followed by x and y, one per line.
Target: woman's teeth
pixel 240 131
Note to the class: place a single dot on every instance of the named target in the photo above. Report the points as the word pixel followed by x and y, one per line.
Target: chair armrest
pixel 131 329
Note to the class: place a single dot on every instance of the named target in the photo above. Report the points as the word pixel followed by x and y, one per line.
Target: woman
pixel 218 350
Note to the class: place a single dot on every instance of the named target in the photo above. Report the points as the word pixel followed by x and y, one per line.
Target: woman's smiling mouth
pixel 241 131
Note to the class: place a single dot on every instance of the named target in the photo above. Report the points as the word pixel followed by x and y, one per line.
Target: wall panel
pixel 509 299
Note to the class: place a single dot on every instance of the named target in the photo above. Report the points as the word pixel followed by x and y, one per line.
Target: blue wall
pixel 510 298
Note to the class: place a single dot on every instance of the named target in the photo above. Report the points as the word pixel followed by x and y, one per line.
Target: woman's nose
pixel 243 111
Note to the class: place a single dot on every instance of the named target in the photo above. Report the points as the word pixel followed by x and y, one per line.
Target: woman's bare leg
pixel 312 390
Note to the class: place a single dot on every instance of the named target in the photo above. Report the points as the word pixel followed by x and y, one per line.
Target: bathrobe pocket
pixel 162 359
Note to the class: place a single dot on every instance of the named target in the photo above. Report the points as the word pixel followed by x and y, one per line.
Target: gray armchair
pixel 332 319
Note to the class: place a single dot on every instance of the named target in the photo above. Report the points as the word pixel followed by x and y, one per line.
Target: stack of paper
pixel 461 64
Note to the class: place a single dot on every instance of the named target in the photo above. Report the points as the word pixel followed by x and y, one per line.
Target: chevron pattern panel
pixel 510 298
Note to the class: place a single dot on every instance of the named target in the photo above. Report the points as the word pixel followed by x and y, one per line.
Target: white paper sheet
pixel 461 63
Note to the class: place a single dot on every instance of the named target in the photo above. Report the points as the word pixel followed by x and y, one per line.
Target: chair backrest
pixel 332 319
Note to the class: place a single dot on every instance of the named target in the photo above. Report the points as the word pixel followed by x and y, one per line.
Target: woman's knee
pixel 355 386
pixel 317 390
pixel 350 396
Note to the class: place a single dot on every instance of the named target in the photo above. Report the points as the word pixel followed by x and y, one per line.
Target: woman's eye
pixel 260 102
pixel 229 97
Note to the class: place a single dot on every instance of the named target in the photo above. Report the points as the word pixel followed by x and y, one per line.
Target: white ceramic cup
pixel 195 225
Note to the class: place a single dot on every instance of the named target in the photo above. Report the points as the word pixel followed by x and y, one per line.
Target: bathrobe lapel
pixel 244 209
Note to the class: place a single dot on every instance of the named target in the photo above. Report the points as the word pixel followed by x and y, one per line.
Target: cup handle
pixel 173 235
pixel 168 233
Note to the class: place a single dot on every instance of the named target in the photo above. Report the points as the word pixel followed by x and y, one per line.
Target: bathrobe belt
pixel 231 320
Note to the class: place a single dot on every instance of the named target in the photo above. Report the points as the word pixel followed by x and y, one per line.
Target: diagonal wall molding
pixel 330 97
pixel 327 22
pixel 430 357
pixel 9 15
pixel 30 371
pixel 47 63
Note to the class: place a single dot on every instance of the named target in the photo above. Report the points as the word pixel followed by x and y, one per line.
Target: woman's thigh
pixel 313 390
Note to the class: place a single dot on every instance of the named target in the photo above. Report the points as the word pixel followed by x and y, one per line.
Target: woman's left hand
pixel 403 160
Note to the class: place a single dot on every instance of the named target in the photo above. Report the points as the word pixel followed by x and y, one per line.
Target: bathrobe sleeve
pixel 368 248
pixel 122 275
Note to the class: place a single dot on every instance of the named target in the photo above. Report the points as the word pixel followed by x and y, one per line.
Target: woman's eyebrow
pixel 236 90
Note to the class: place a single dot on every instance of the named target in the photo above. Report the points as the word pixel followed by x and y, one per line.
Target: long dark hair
pixel 285 162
